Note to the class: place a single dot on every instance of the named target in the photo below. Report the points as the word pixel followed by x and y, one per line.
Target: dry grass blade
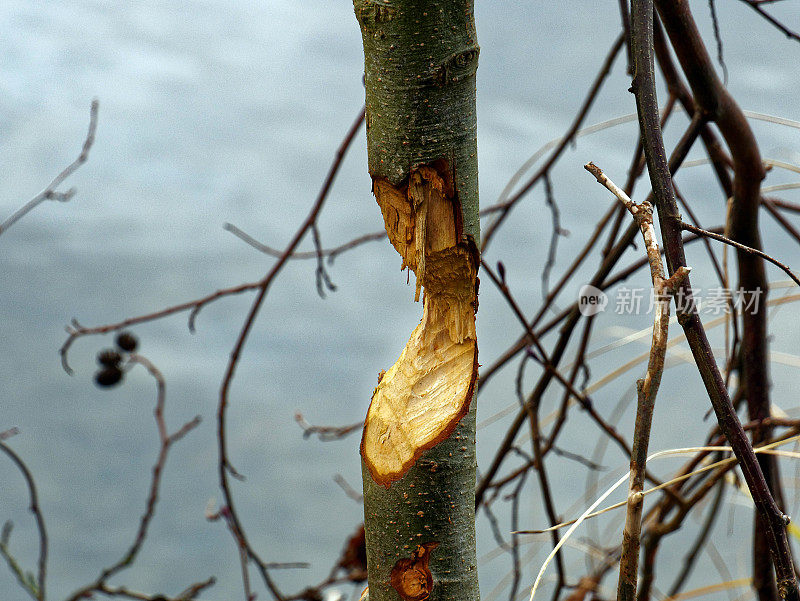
pixel 590 511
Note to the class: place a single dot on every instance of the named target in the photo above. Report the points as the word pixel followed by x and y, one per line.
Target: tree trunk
pixel 418 445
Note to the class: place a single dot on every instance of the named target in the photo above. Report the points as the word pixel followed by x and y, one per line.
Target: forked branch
pixel 644 89
pixel 51 192
pixel 647 388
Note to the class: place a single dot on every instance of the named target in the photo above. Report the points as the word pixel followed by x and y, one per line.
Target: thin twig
pixel 51 191
pixel 324 281
pixel 515 496
pixel 225 467
pixel 165 442
pixel 718 38
pixel 6 434
pixel 724 282
pixel 647 388
pixel 756 6
pixel 326 433
pixel 348 490
pixel 39 592
pixel 753 251
pixel 330 253
pixel 771 205
pixel 509 204
pixel 188 594
pixel 785 204
pixel 557 232
pixel 76 330
pixel 702 539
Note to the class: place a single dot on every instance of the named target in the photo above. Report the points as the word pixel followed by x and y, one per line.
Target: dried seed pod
pixel 127 341
pixel 108 376
pixel 109 357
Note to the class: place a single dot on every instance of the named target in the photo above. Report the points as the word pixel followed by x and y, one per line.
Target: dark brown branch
pixel 753 251
pixel 718 38
pixel 700 541
pixel 579 458
pixel 557 232
pixel 224 466
pixel 771 205
pixel 324 281
pixel 76 330
pixel 714 99
pixel 756 6
pixel 605 69
pixel 669 218
pixel 786 205
pixel 719 160
pixel 579 366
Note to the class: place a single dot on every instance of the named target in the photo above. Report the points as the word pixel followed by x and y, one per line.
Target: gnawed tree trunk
pixel 418 445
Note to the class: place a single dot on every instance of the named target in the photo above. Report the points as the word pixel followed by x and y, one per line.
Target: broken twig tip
pixel 593 169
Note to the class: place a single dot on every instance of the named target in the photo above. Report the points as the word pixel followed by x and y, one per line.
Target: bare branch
pixel 76 330
pixel 6 434
pixel 35 589
pixel 51 191
pixel 330 253
pixel 756 6
pixel 326 433
pixel 225 467
pixel 753 251
pixel 647 387
pixel 187 595
pixel 166 440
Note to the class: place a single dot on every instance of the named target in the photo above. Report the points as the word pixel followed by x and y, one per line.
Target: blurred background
pixel 219 111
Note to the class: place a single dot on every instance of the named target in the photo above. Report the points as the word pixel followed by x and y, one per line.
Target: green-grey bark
pixel 420 58
pixel 420 63
pixel 433 502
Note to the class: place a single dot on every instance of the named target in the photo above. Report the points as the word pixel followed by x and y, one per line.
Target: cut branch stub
pixel 412 578
pixel 423 396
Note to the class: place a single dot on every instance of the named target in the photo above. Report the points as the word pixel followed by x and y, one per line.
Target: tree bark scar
pixel 424 395
pixel 411 577
pixel 372 13
pixel 455 67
